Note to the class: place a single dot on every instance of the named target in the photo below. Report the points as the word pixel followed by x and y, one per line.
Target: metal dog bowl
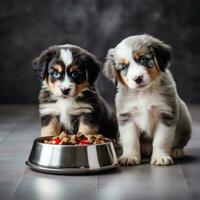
pixel 71 159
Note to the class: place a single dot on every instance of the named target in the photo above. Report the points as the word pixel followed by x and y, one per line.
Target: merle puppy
pixel 153 119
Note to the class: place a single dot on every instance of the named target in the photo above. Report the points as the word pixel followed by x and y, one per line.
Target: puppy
pixel 152 118
pixel 68 98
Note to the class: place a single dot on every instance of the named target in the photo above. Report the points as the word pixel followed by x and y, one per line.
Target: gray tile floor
pixel 19 125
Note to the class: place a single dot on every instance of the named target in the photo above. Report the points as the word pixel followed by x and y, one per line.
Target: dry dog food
pixel 78 139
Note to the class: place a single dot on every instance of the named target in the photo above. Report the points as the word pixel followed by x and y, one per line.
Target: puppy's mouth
pixel 142 84
pixel 139 86
pixel 68 95
pixel 73 92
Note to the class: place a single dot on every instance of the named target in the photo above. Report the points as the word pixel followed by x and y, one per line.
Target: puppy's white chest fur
pixel 144 107
pixel 64 108
pixel 145 115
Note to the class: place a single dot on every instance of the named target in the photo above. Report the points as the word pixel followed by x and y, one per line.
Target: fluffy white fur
pixel 66 56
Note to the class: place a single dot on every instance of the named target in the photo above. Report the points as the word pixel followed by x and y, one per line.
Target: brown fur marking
pixel 52 129
pixel 118 77
pixel 153 72
pixel 124 61
pixel 137 55
pixel 58 68
pixel 81 86
pixel 74 68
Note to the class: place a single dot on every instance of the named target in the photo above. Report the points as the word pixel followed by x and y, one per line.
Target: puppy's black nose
pixel 139 79
pixel 65 91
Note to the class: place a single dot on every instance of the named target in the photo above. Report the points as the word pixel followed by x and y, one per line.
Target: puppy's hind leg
pixel 129 138
pixel 177 153
pixel 183 131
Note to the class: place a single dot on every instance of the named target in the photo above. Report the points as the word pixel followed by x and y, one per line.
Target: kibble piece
pixel 73 139
pixel 98 141
pixel 46 142
pixel 100 136
pixel 90 138
pixel 81 136
pixel 65 140
pixel 62 135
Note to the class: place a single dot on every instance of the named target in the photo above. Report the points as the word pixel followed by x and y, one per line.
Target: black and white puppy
pixel 152 118
pixel 68 98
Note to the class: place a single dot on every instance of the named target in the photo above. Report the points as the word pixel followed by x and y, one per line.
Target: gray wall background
pixel 29 26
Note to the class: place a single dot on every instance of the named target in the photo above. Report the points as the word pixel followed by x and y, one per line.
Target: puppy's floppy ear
pixel 92 66
pixel 163 54
pixel 109 66
pixel 41 62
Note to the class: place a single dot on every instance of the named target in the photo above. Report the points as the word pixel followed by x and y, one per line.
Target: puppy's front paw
pixel 161 160
pixel 128 160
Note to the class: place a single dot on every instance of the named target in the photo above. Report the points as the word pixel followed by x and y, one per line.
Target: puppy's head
pixel 137 61
pixel 66 70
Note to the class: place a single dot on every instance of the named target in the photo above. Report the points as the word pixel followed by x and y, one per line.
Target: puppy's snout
pixel 65 91
pixel 138 79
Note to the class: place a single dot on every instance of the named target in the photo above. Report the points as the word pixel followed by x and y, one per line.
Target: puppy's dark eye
pixel 144 60
pixel 75 74
pixel 124 66
pixel 55 74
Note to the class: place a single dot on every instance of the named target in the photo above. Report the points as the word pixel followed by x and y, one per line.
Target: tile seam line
pixel 186 182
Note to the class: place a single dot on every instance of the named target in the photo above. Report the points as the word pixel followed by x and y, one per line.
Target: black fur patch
pixel 169 119
pixel 40 63
pixel 163 55
pixel 88 62
pixel 94 117
pixel 46 97
pixel 81 74
pixel 124 118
